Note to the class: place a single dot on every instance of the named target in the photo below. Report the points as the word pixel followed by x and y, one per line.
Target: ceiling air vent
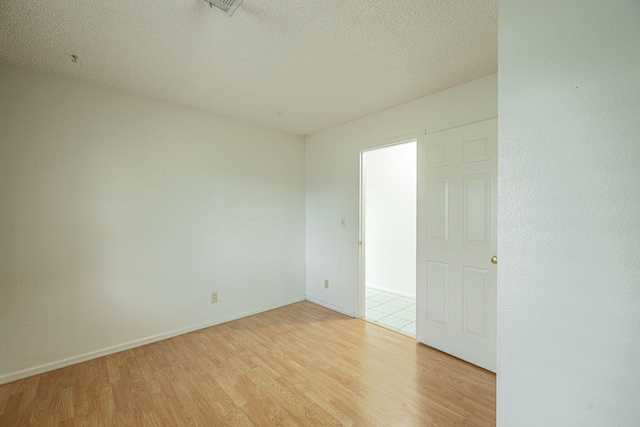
pixel 226 6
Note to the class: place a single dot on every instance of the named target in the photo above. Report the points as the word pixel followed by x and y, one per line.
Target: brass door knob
pixel 494 259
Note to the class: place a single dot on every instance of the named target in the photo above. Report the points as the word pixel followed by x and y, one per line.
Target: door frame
pixel 363 148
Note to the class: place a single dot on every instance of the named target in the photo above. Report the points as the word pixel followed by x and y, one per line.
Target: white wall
pixel 119 215
pixel 333 170
pixel 569 213
pixel 390 213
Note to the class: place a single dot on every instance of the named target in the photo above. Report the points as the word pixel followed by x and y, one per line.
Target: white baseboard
pixel 402 294
pixel 14 376
pixel 331 306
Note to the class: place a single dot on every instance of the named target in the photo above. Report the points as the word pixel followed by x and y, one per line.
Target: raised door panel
pixel 437 292
pixel 477 209
pixel 476 150
pixel 476 294
pixel 437 156
pixel 438 209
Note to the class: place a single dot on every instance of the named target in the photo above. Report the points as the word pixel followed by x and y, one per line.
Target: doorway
pixel 388 218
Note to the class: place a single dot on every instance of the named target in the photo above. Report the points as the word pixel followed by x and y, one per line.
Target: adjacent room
pixel 252 212
pixel 388 218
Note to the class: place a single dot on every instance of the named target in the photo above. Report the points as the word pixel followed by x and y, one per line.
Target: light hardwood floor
pixel 300 365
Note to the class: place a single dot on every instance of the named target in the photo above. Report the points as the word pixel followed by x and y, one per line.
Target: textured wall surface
pixel 569 214
pixel 119 215
pixel 333 179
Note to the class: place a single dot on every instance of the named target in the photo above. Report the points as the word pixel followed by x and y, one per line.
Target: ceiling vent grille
pixel 226 6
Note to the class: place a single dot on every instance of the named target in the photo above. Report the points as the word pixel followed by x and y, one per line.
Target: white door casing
pixel 457 233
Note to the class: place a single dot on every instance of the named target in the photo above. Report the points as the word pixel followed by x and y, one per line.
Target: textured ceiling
pixel 297 65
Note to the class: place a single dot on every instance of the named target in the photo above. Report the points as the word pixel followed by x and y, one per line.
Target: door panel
pixel 438 292
pixel 457 232
pixel 477 209
pixel 476 294
pixel 438 217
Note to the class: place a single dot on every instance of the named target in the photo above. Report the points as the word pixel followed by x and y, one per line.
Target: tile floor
pixel 391 310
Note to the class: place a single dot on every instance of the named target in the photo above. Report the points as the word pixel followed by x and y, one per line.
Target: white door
pixel 457 231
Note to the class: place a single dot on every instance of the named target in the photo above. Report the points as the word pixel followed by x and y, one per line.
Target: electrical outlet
pixel 214 297
pixel 326 284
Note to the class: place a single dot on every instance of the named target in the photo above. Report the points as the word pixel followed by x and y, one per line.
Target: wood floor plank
pixel 297 365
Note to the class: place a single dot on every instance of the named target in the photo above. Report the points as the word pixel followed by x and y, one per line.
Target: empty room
pixel 186 226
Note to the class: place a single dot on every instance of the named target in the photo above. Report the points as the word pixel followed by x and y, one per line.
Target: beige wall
pixel 119 215
pixel 333 179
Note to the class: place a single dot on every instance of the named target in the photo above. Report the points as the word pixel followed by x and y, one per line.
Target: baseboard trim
pixel 331 306
pixel 25 373
pixel 402 294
